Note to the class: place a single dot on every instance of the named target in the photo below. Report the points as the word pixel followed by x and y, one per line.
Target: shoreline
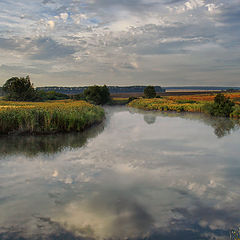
pixel 30 118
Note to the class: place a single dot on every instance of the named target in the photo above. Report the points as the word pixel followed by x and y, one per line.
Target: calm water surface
pixel 140 175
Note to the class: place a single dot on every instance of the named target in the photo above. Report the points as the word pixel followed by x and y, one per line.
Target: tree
pixel 97 94
pixel 222 106
pixel 149 92
pixel 19 89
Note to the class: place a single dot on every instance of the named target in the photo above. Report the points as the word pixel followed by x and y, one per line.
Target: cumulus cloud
pixel 64 16
pixel 106 35
pixel 51 24
pixel 47 48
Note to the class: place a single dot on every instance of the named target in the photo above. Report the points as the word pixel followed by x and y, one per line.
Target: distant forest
pixel 133 89
pixel 112 89
pixel 128 89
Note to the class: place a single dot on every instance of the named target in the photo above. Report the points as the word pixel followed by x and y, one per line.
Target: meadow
pixel 48 117
pixel 185 103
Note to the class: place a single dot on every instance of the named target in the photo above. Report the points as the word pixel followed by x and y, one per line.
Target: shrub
pixel 97 94
pixel 236 112
pixel 149 92
pixel 222 106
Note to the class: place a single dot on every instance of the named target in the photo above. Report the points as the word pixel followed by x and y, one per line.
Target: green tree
pixel 19 89
pixel 97 94
pixel 149 92
pixel 222 106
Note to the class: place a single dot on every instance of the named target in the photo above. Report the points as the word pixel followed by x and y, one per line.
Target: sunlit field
pixel 187 103
pixel 48 117
pixel 205 97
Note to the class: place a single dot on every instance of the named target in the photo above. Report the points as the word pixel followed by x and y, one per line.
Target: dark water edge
pixel 139 175
pixel 222 126
pixel 31 145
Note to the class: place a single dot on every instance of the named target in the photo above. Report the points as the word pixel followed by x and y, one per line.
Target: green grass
pixel 49 117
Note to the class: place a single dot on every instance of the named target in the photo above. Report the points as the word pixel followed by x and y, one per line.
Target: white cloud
pixel 109 37
pixel 55 173
pixel 78 18
pixel 51 24
pixel 64 16
pixel 212 8
pixel 193 4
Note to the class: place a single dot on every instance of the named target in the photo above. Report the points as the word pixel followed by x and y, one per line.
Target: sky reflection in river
pixel 146 175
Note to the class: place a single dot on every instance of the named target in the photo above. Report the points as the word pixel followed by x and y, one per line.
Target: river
pixel 139 175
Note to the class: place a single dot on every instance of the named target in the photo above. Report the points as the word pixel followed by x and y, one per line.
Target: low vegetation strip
pixel 226 105
pixel 48 117
pixel 205 97
pixel 161 104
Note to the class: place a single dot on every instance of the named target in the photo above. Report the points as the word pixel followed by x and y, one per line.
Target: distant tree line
pixel 21 89
pixel 112 89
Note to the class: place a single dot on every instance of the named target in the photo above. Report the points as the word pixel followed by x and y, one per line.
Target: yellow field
pixel 48 104
pixel 185 103
pixel 205 97
pixel 47 117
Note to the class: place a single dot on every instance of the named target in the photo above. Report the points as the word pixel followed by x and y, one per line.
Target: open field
pixel 164 94
pixel 185 103
pixel 47 117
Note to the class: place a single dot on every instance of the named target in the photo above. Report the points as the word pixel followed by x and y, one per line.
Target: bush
pixel 222 106
pixel 149 92
pixel 97 94
pixel 236 112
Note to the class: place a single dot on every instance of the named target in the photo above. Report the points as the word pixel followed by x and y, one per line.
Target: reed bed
pixel 48 117
pixel 166 105
pixel 187 103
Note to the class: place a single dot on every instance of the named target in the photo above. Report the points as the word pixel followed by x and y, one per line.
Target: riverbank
pixel 48 117
pixel 187 103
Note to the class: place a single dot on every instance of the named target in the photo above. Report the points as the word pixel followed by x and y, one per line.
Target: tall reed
pixel 58 116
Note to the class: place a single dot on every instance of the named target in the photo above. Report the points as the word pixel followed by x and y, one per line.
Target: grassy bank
pixel 188 103
pixel 162 104
pixel 48 117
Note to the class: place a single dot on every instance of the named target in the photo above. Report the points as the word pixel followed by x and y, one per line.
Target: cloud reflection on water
pixel 172 179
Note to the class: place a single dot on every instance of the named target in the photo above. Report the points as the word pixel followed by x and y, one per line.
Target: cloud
pixel 51 24
pixel 107 36
pixel 22 70
pixel 133 5
pixel 229 14
pixel 47 1
pixel 47 48
pixel 193 4
pixel 64 16
pixel 106 217
pixel 8 43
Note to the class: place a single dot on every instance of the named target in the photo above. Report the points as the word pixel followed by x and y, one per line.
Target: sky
pixel 121 42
